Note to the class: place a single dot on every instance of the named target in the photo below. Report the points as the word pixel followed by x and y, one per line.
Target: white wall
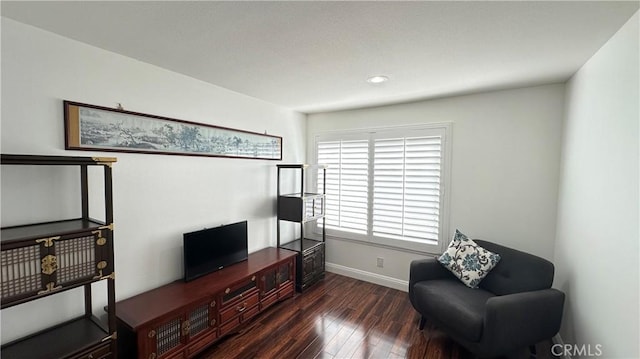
pixel 504 179
pixel 156 197
pixel 596 252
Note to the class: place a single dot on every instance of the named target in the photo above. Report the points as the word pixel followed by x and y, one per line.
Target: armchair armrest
pixel 522 319
pixel 426 269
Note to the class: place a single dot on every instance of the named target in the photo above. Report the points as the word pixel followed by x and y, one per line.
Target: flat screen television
pixel 212 249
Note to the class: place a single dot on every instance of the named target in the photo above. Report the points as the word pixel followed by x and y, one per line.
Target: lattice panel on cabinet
pixel 168 336
pixel 199 319
pixel 21 271
pixel 76 258
pixel 269 282
pixel 283 274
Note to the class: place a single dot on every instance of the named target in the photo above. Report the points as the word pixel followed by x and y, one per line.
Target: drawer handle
pixel 213 304
pixel 241 309
pixel 213 322
pixel 90 356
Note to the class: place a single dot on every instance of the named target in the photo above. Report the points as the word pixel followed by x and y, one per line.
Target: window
pixel 386 186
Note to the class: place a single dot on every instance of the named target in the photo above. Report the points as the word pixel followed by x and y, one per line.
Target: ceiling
pixel 314 56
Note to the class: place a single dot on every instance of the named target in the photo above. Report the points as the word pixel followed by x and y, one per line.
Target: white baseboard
pixel 375 278
pixel 557 339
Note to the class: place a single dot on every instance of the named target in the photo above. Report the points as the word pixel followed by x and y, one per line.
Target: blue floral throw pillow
pixel 467 260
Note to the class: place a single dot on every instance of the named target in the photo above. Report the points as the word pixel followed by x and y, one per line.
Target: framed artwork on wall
pixel 97 128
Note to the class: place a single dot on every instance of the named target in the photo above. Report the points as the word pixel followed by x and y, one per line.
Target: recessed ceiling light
pixel 377 79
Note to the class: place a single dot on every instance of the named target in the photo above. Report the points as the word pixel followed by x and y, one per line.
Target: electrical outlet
pixel 380 262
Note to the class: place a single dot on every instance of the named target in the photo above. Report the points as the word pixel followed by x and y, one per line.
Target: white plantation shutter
pixel 406 188
pixel 386 186
pixel 347 182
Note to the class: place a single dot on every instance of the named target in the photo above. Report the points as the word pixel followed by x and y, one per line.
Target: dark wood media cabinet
pixel 180 319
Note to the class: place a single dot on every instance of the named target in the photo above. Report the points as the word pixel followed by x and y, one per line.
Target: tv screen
pixel 212 249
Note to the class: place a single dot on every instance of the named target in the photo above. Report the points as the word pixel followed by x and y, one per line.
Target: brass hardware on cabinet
pixel 113 336
pixel 105 161
pixel 109 227
pixel 101 241
pixel 226 291
pixel 110 276
pixel 253 279
pixel 152 356
pixel 50 288
pixel 48 242
pixel 241 309
pixel 213 322
pixel 152 333
pixel 49 264
pixel 185 328
pixel 213 304
pixel 100 266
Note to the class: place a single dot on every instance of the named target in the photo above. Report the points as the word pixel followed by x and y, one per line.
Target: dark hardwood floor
pixel 342 318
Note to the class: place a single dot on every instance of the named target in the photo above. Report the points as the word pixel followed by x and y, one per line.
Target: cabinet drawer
pixel 269 301
pixel 229 326
pixel 201 343
pixel 177 355
pixel 239 290
pixel 101 352
pixel 239 318
pixel 285 291
pixel 237 309
pixel 251 312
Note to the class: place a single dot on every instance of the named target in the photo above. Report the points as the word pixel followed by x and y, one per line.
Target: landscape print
pixel 113 130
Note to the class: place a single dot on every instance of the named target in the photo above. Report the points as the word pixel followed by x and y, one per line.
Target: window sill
pixel 382 245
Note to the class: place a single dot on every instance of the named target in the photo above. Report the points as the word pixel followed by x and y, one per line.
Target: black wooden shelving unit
pixel 303 208
pixel 44 259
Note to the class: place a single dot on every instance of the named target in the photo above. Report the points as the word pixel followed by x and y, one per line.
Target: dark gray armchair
pixel 513 308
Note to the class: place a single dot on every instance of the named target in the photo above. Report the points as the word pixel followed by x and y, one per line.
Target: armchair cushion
pixel 467 260
pixel 459 308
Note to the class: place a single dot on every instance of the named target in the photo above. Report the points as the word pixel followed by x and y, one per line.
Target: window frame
pixel 443 129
